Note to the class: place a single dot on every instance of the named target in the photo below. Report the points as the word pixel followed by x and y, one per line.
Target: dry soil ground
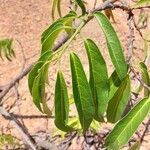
pixel 24 21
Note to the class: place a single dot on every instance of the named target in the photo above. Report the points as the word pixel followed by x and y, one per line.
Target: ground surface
pixel 24 21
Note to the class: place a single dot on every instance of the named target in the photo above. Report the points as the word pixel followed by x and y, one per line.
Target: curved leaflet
pixel 51 33
pixel 114 46
pixel 81 5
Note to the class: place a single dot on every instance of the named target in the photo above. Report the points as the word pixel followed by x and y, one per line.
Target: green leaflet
pixel 114 83
pixel 145 78
pixel 141 3
pixel 126 127
pixel 6 49
pixel 82 93
pixel 37 79
pixel 98 78
pixel 38 90
pixel 51 33
pixel 49 40
pixel 56 6
pixel 61 104
pixel 119 101
pixel 114 46
pixel 81 5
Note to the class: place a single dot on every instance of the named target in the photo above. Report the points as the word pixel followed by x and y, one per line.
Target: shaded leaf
pixel 61 104
pixel 82 93
pixel 126 127
pixel 114 83
pixel 56 6
pixel 98 78
pixel 145 78
pixel 114 46
pixel 81 5
pixel 119 101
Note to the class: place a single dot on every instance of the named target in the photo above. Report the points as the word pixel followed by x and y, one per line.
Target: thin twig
pixel 145 131
pixel 139 78
pixel 131 37
pixel 13 82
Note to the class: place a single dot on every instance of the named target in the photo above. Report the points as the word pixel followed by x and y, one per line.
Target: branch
pixel 131 37
pixel 26 136
pixel 14 81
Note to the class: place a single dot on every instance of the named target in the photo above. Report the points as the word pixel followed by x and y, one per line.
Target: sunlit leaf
pixel 126 127
pixel 82 93
pixel 114 46
pixel 50 35
pixel 98 78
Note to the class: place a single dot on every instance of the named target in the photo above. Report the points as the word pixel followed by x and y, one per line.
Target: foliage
pixel 9 141
pixel 6 49
pixel 103 97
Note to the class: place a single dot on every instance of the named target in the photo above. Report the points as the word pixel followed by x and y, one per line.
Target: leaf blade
pixel 61 104
pixel 98 77
pixel 81 92
pixel 119 101
pixel 114 45
pixel 125 128
pixel 81 5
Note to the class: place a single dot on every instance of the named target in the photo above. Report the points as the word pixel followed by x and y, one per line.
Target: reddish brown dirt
pixel 24 21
